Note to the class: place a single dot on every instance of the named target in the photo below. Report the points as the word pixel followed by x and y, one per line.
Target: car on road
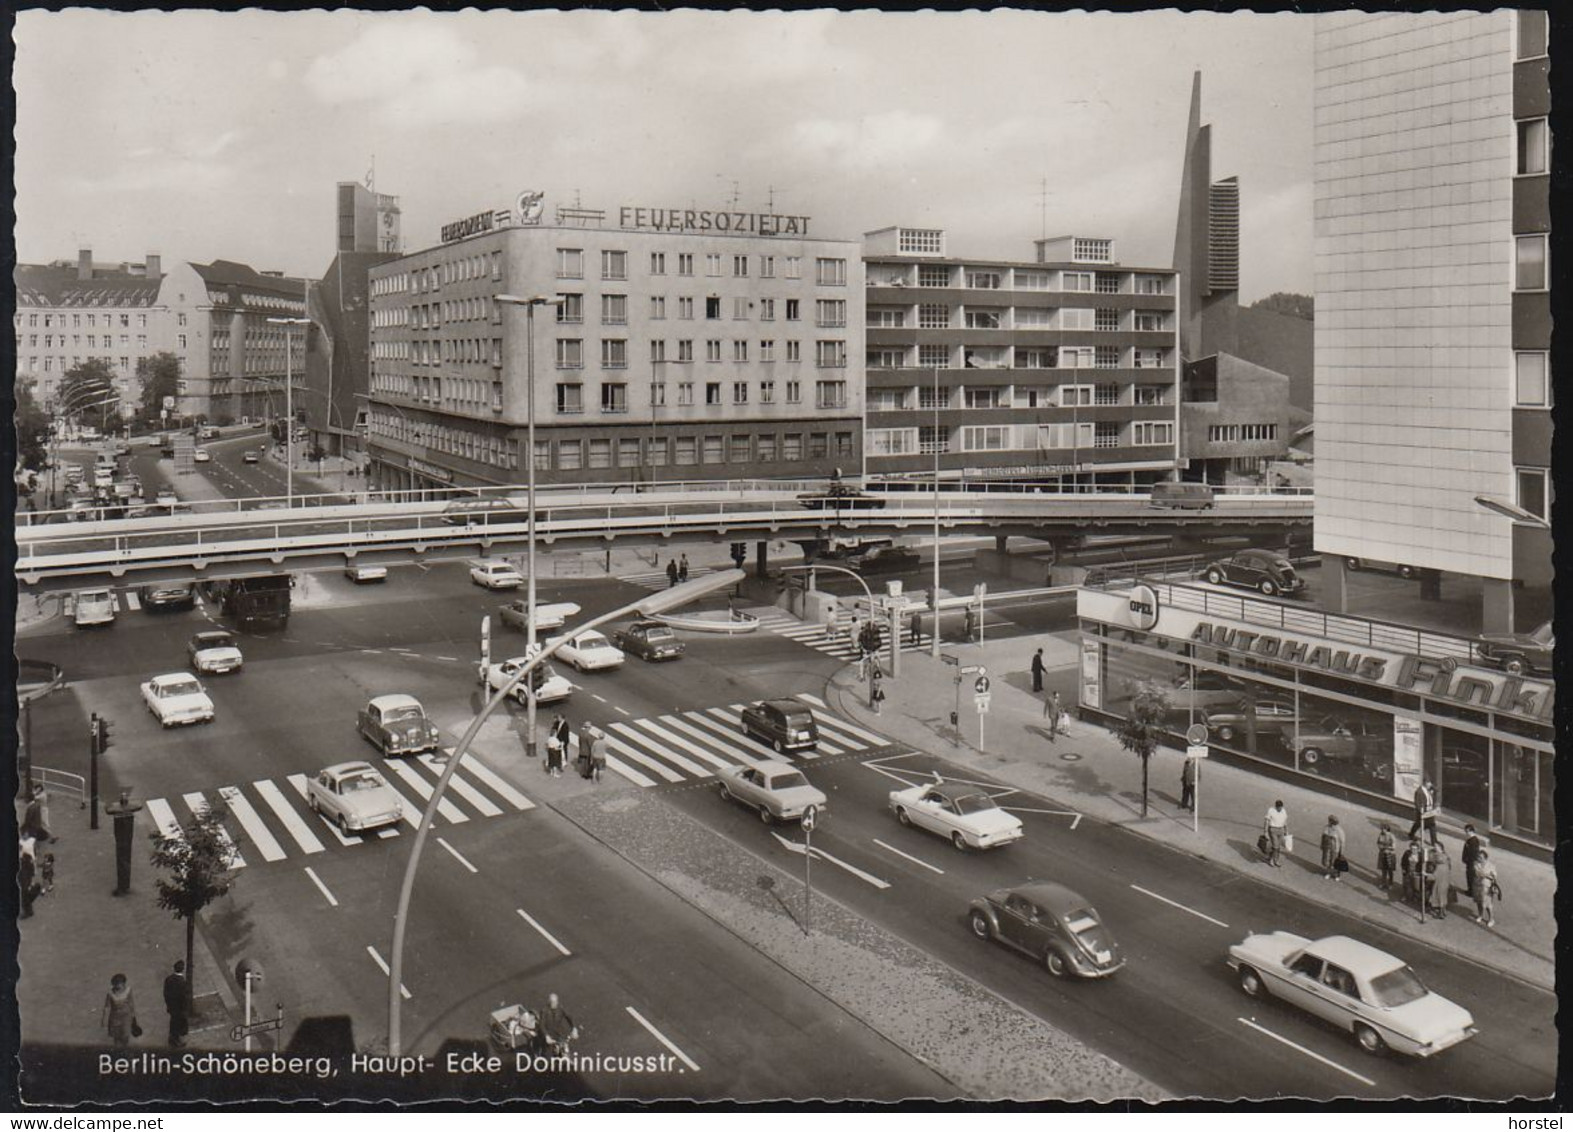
pixel 359 572
pixel 250 456
pixel 354 797
pixel 548 615
pixel 1182 495
pixel 201 456
pixel 93 607
pixel 1520 653
pixel 214 652
pixel 177 697
pixel 548 686
pixel 1377 566
pixel 840 496
pixel 964 814
pixel 888 558
pixel 397 725
pixel 1375 996
pixel 1266 571
pixel 1333 738
pixel 649 640
pixel 495 574
pixel 776 790
pixel 1050 923
pixel 588 652
pixel 468 512
pixel 168 595
pixel 1273 718
pixel 208 433
pixel 166 497
pixel 783 725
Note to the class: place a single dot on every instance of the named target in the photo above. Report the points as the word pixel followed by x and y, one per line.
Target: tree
pixel 160 378
pixel 32 428
pixel 1143 727
pixel 1290 303
pixel 85 385
pixel 198 860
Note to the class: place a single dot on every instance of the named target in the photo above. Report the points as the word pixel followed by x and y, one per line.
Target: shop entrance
pixel 1459 763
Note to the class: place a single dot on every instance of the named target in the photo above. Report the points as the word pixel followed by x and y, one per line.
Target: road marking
pixel 597 699
pixel 164 818
pixel 909 857
pixel 1072 814
pixel 801 850
pixel 485 773
pixel 199 805
pixel 445 658
pixel 457 856
pixel 372 951
pixel 270 849
pixel 1308 1052
pixel 628 772
pixel 836 721
pixel 133 601
pixel 298 829
pixel 418 784
pixel 316 880
pixel 663 1039
pixel 689 728
pixel 622 711
pixel 640 757
pixel 627 730
pixel 1181 907
pixel 550 938
pixel 457 784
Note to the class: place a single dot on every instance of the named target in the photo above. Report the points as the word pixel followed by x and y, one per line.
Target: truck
pixel 260 599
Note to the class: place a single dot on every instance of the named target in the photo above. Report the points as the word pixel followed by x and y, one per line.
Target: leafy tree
pixel 1143 727
pixel 198 860
pixel 85 384
pixel 32 428
pixel 1290 303
pixel 160 377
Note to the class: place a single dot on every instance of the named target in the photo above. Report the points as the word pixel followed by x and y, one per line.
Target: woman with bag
pixel 1333 849
pixel 876 692
pixel 120 1013
pixel 1486 888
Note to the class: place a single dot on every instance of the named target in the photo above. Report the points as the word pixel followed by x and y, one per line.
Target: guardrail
pixel 62 782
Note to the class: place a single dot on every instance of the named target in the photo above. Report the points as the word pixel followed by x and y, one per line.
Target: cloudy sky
pixel 201 135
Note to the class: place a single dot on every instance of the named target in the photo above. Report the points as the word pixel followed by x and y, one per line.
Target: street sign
pixel 239 1033
pixel 1196 733
pixel 1196 751
pixel 810 815
pixel 981 685
pixel 948 659
pixel 981 702
pixel 169 402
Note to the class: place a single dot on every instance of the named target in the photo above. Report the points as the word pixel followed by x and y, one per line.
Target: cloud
pixel 870 142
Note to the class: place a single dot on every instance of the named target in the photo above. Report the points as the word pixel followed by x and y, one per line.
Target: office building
pixel 1059 370
pixel 367 221
pixel 688 345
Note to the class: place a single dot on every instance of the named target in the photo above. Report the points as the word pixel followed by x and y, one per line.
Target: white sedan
pixel 177 697
pixel 549 686
pixel 365 572
pixel 775 789
pixel 495 574
pixel 201 456
pixel 964 814
pixel 354 797
pixel 548 615
pixel 589 651
pixel 214 652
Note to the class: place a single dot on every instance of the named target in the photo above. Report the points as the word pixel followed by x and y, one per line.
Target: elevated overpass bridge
pixel 229 538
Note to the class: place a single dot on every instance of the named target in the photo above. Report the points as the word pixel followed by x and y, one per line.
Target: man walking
pixel 1470 856
pixel 1425 811
pixel 1051 708
pixel 35 819
pixel 682 569
pixel 1188 785
pixel 177 1001
pixel 1037 671
pixel 1276 826
pixel 671 572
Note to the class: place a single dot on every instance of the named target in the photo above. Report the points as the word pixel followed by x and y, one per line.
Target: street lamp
pixel 289 404
pixel 529 305
pixel 660 602
pixel 934 604
pixel 1512 511
pixel 895 635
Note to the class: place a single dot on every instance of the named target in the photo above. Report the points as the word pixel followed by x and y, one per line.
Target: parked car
pixel 1358 988
pixel 168 595
pixel 783 725
pixel 840 496
pixel 93 607
pixel 354 797
pixel 359 572
pixel 1273 718
pixel 547 685
pixel 548 615
pixel 1377 566
pixel 1182 496
pixel 1053 925
pixel 397 725
pixel 495 574
pixel 214 652
pixel 1206 692
pixel 649 640
pixel 1520 653
pixel 177 697
pixel 965 815
pixel 588 652
pixel 1335 738
pixel 1264 570
pixel 776 790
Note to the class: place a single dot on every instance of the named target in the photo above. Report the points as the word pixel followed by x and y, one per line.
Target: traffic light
pixel 739 553
pixel 100 734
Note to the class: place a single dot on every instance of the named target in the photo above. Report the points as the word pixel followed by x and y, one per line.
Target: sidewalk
pixel 1090 772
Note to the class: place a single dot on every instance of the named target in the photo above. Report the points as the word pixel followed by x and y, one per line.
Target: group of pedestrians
pixel 119 1014
pixel 1053 707
pixel 676 570
pixel 35 873
pixel 591 761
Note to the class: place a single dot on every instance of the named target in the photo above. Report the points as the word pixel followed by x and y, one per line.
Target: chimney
pixel 155 266
pixel 84 264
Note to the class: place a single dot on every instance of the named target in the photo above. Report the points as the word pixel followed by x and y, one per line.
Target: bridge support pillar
pixel 1496 605
pixel 762 559
pixel 1000 542
pixel 1335 583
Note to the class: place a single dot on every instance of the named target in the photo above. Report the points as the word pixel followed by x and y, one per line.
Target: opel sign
pixel 1143 607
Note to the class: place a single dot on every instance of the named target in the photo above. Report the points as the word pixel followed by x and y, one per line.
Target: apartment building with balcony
pixel 1059 370
pixel 687 345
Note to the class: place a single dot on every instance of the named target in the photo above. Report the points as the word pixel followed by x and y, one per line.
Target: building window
pixel 570 263
pixel 657 306
pixel 1106 394
pixel 830 312
pixel 818 445
pixel 983 320
pixel 740 449
pixel 1076 281
pixel 931 397
pixel 614 353
pixel 1532 135
pixel 1149 359
pixel 712 349
pixel 1075 395
pixel 830 354
pixel 685 308
pixel 830 272
pixel 885 359
pixel 739 266
pixel 767 448
pixel 792 310
pixel 658 349
pixel 571 309
pixel 933 316
pixel 570 398
pixel 1532 491
pixel 830 394
pixel 570 353
pixel 657 449
pixel 767 310
pixel 657 394
pixel 935 356
pixel 891 441
pixel 614 265
pixel 600 454
pixel 1106 357
pixel 685 349
pixel 1146 321
pixel 1106 434
pixel 1530 261
pixel 1532 388
pixel 657 263
pixel 1076 318
pixel 570 454
pixel 1107 284
pixel 1532 34
pixel 685 392
pixel 1151 395
pixel 920 241
pixel 715 451
pixel 893 317
pixel 739 350
pixel 180 341
pixel 983 280
pixel 628 453
pixel 767 350
pixel 740 393
pixel 1091 251
pixel 712 393
pixel 933 275
pixel 713 307
pixel 685 263
pixel 740 306
pixel 713 263
pixel 614 397
pixel 767 392
pixel 984 399
pixel 794 350
pixel 1151 285
pixel 985 438
pixel 614 310
pixel 1106 320
pixel 687 451
pixel 792 446
pixel 794 392
pixel 767 267
pixel 1042 357
pixel 1152 432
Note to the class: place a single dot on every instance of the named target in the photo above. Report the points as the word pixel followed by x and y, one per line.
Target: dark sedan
pixel 1520 653
pixel 1053 925
pixel 1264 570
pixel 839 496
pixel 649 640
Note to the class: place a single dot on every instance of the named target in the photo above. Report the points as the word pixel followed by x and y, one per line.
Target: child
pixel 1386 856
pixel 46 872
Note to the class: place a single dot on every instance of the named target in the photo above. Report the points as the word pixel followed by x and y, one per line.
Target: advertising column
pixel 1091 682
pixel 1407 756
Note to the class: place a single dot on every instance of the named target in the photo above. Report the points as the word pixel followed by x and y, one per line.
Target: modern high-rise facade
pixel 1433 382
pixel 688 344
pixel 367 221
pixel 1059 370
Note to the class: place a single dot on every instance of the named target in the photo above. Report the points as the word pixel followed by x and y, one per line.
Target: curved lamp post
pixel 895 637
pixel 655 603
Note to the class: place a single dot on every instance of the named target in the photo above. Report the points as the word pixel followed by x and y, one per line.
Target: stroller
pixel 514 1028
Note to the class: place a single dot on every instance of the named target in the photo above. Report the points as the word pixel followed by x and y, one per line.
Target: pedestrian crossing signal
pixel 100 735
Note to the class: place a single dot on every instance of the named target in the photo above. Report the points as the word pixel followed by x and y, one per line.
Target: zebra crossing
pixel 269 821
pixel 656 580
pixel 693 745
pixel 836 642
pixel 126 601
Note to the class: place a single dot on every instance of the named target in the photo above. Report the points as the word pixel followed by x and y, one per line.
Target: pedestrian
pixel 876 693
pixel 119 1015
pixel 1486 889
pixel 1188 785
pixel 671 572
pixel 35 819
pixel 868 647
pixel 46 874
pixel 598 755
pixel 1413 867
pixel 1332 848
pixel 177 1002
pixel 1425 810
pixel 556 743
pixel 1386 856
pixel 1276 828
pixel 587 733
pixel 1471 853
pixel 1037 671
pixel 971 619
pixel 682 569
pixel 26 882
pixel 1054 712
pixel 1439 881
